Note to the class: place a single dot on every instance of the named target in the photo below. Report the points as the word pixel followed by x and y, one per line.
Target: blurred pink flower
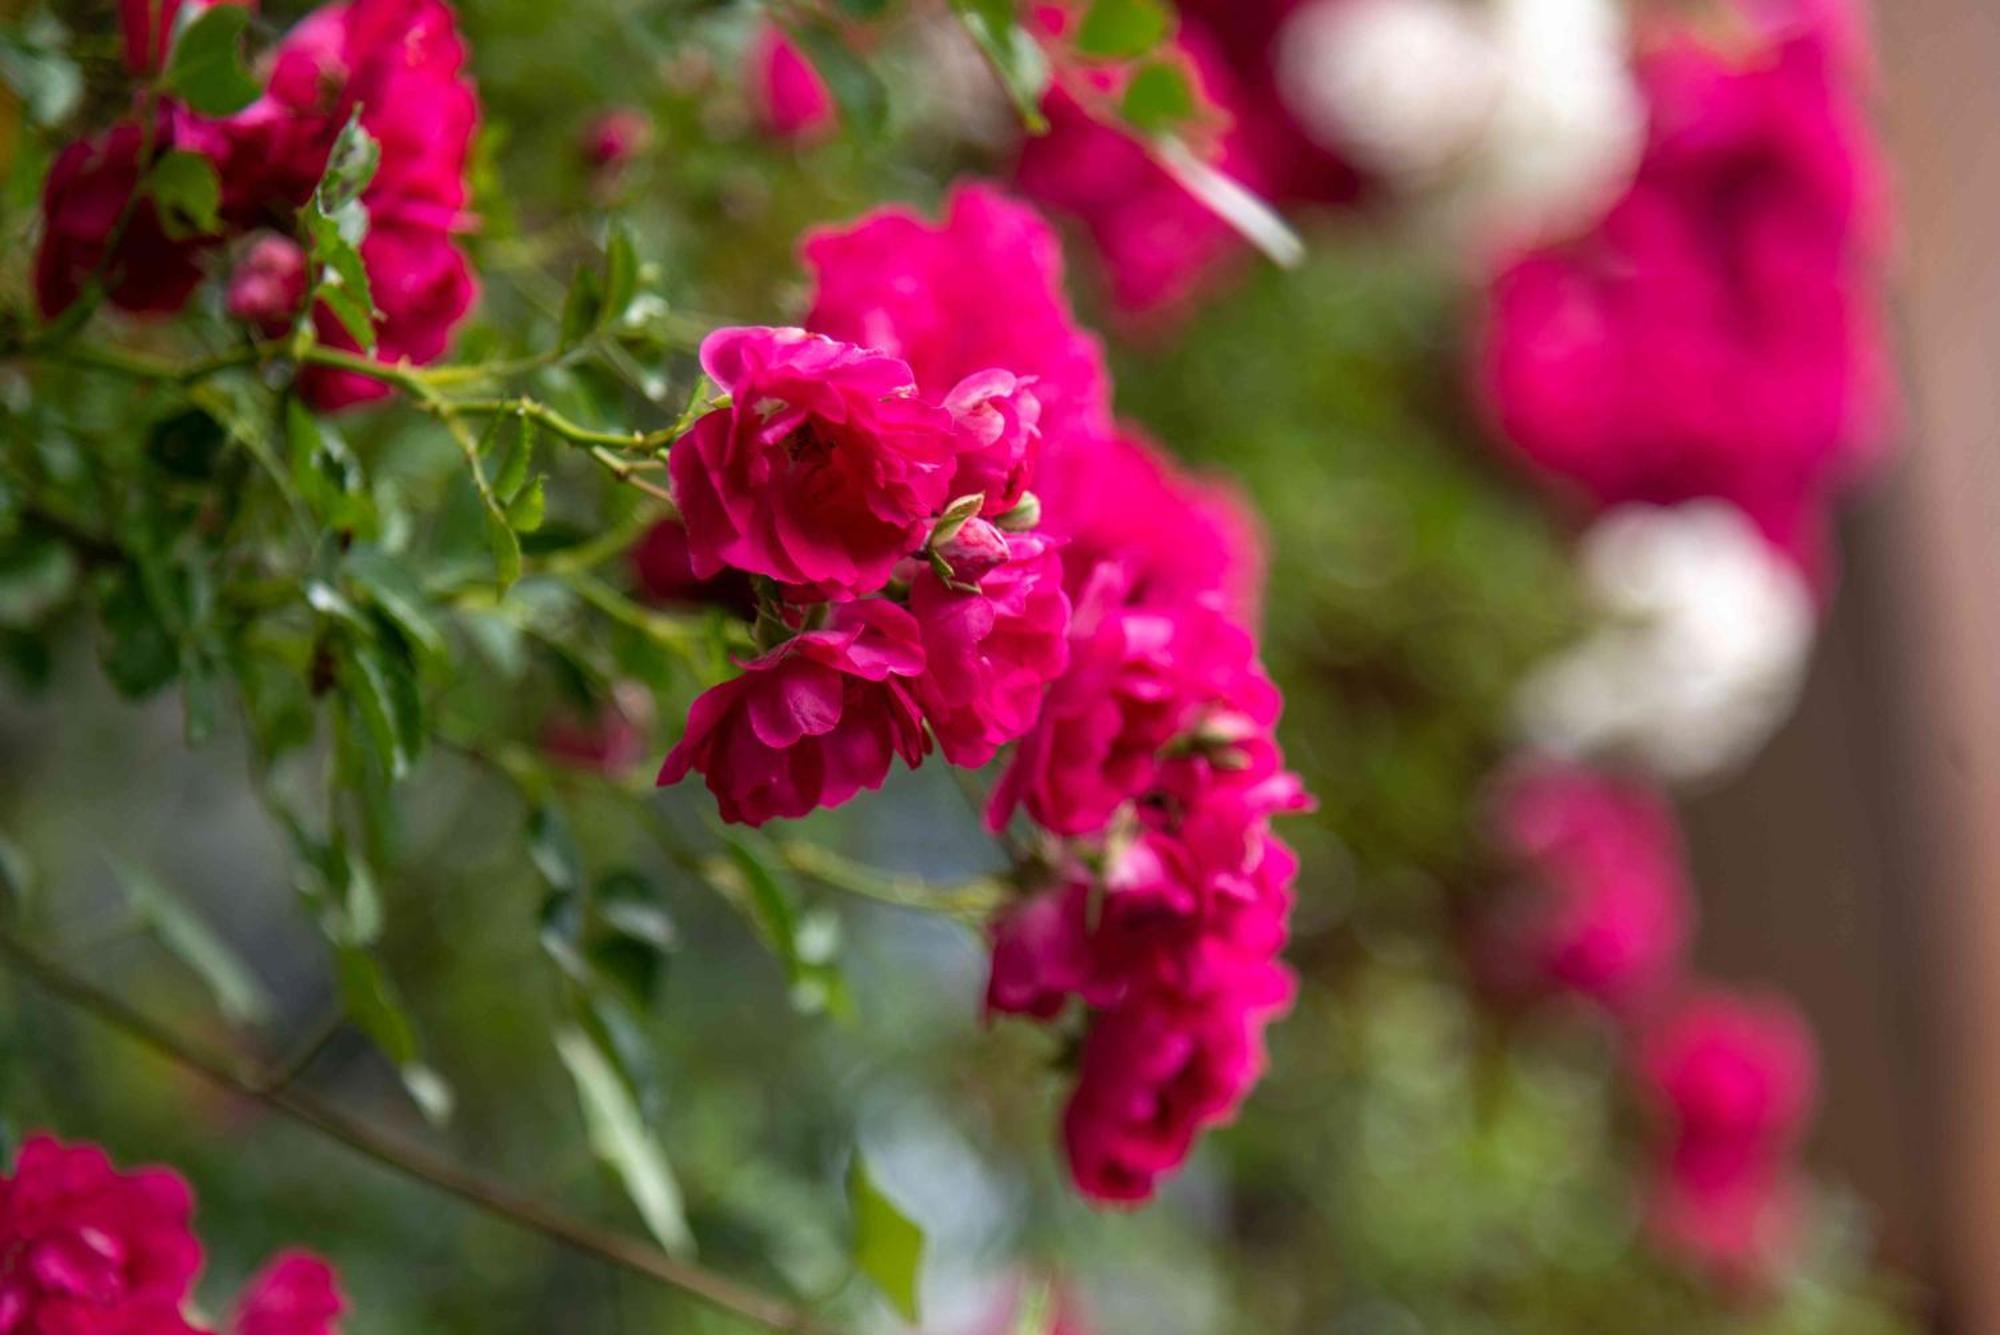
pixel 83 197
pixel 1719 333
pixel 614 137
pixel 1603 909
pixel 268 285
pixel 789 97
pixel 295 1294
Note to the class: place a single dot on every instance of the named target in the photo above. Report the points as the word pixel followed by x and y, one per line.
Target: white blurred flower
pixel 1706 634
pixel 1516 117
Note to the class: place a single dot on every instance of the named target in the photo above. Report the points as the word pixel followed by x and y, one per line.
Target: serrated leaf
pixel 350 168
pixel 384 692
pixel 526 511
pixel 1123 29
pixel 1012 51
pixel 187 194
pixel 888 1244
pixel 506 548
pixel 512 474
pixel 206 68
pixel 392 591
pixel 176 927
pixel 623 1142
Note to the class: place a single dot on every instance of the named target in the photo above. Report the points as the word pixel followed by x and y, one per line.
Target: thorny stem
pixel 488 1196
pixel 622 453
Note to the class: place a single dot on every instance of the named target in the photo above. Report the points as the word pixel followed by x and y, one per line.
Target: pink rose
pixel 1139 678
pixel 1726 1070
pixel 402 63
pixel 789 97
pixel 1719 333
pixel 1604 910
pixel 1000 438
pixel 981 288
pixel 86 1248
pixel 812 722
pixel 990 654
pixel 824 470
pixel 269 282
pixel 85 194
pixel 296 1294
pixel 1154 1073
pixel 1176 535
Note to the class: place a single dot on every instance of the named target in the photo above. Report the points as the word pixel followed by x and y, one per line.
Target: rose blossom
pixel 1718 333
pixel 614 137
pixel 1730 1082
pixel 824 470
pixel 86 1248
pixel 1604 909
pixel 789 97
pixel 1000 439
pixel 401 62
pixel 980 288
pixel 664 572
pixel 1139 677
pixel 990 651
pixel 296 1294
pixel 1154 1072
pixel 86 193
pixel 812 722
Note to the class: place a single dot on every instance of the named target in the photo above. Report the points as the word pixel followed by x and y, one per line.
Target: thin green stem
pixel 490 1197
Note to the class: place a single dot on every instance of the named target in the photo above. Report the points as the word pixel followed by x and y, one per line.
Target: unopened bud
pixel 954 518
pixel 974 550
pixel 1023 517
pixel 269 284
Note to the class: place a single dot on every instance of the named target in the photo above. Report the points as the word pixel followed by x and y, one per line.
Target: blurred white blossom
pixel 1515 118
pixel 1702 649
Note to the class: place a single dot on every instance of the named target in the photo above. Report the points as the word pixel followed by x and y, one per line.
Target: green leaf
pixel 391 590
pixel 343 282
pixel 512 474
pixel 1160 98
pixel 856 88
pixel 187 194
pixel 188 445
pixel 506 549
pixel 621 272
pixel 374 1005
pixel 350 168
pixel 553 850
pixel 384 692
pixel 622 1141
pixel 185 936
pixel 888 1244
pixel 206 69
pixel 1013 52
pixel 583 308
pixel 526 511
pixel 36 577
pixel 139 652
pixel 1123 29
pixel 804 943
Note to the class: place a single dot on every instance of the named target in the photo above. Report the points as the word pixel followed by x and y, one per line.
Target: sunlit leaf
pixel 888 1244
pixel 621 1139
pixel 206 68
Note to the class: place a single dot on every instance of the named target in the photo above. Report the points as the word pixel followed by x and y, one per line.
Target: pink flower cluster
pixel 1093 609
pixel 1601 910
pixel 1718 333
pixel 1159 244
pixel 401 64
pixel 88 1250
